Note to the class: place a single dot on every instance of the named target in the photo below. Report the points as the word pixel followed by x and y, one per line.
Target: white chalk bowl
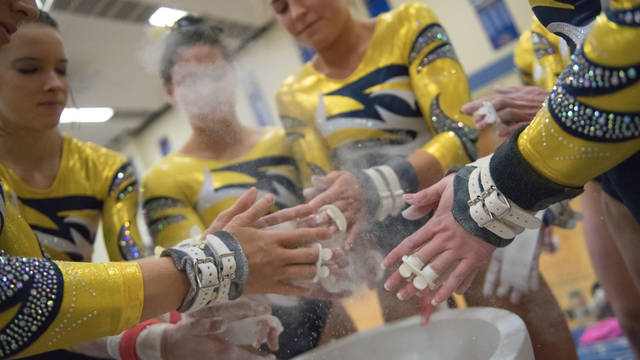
pixel 477 333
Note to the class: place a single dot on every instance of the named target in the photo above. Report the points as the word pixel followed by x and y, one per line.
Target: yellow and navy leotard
pixel 92 184
pixel 182 192
pixel 540 56
pixel 47 305
pixel 405 95
pixel 590 122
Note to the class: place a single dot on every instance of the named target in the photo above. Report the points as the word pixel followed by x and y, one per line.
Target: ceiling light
pixel 165 16
pixel 86 115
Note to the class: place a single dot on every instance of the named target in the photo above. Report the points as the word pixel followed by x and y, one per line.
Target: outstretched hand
pixel 198 334
pixel 441 243
pixel 340 188
pixel 276 258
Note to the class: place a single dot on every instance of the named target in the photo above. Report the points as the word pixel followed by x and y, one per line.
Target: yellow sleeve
pixel 523 58
pixel 119 212
pixel 167 210
pixel 548 60
pixel 441 88
pixel 50 305
pixel 591 121
pixel 308 146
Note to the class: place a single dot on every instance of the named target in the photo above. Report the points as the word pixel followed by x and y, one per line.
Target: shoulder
pixel 410 15
pixel 163 176
pixel 94 155
pixel 295 82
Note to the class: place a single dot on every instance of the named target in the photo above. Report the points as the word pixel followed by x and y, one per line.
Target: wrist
pixel 215 267
pixel 383 187
pixel 483 210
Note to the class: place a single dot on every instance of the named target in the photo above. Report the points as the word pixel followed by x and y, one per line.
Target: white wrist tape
pixel 490 209
pixel 149 342
pixel 113 346
pixel 389 191
pixel 386 203
pixel 394 188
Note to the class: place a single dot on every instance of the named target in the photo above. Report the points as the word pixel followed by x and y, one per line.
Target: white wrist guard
pixel 149 343
pixel 210 267
pixel 113 346
pixel 388 189
pixel 491 210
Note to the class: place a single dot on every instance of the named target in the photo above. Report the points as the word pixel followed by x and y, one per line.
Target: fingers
pixel 284 215
pixel 429 197
pixel 480 123
pixel 314 220
pixel 465 285
pixel 241 205
pixel 516 115
pixel 462 271
pixel 311 192
pixel 394 282
pixel 406 292
pixel 338 185
pixel 300 237
pixel 415 212
pixel 352 236
pixel 273 339
pixel 329 196
pixel 439 263
pixel 299 272
pixel 426 310
pixel 473 106
pixel 204 326
pixel 506 90
pixel 259 209
pixel 323 182
pixel 300 256
pixel 408 245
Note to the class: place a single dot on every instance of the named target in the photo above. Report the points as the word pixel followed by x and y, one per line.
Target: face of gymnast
pixel 315 23
pixel 33 80
pixel 203 85
pixel 12 13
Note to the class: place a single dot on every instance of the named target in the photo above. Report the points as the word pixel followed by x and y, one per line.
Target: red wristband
pixel 174 317
pixel 127 345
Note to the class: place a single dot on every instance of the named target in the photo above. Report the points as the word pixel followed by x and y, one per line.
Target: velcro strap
pixel 394 187
pixel 479 212
pixel 504 209
pixel 386 201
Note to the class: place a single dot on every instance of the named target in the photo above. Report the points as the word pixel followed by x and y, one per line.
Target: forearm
pixel 164 287
pixel 76 302
pixel 427 167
